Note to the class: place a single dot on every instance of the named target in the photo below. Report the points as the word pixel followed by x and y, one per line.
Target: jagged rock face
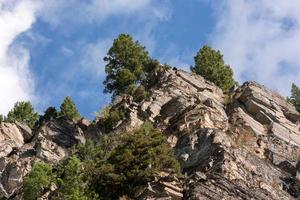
pixel 246 150
pixel 21 148
pixel 55 138
pixel 249 150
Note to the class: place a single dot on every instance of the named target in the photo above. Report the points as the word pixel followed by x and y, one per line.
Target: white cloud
pixel 18 16
pixel 260 39
pixel 16 82
pixel 92 60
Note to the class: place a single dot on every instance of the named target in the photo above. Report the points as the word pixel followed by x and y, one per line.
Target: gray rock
pixel 50 143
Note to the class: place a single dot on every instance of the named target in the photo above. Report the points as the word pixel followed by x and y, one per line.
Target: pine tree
pixel 126 61
pixel 68 109
pixel 50 113
pixel 38 179
pixel 134 162
pixel 209 63
pixel 23 112
pixel 295 96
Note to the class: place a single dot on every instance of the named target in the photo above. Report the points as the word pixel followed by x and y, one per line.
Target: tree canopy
pixel 295 96
pixel 209 63
pixel 126 65
pixel 23 112
pixel 68 109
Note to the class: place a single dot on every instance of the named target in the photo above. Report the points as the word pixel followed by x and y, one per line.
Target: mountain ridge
pixel 246 149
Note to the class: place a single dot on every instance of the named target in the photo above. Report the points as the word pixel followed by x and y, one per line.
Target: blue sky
pixel 52 49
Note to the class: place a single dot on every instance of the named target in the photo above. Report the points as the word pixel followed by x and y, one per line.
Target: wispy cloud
pixel 16 81
pixel 58 12
pixel 260 40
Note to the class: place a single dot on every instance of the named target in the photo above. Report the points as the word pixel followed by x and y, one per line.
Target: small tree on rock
pixel 23 112
pixel 68 109
pixel 209 63
pixel 295 97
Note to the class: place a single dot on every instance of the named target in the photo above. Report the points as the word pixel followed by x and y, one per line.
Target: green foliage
pixel 23 112
pixel 115 166
pixel 138 157
pixel 50 113
pixel 209 63
pixel 125 64
pixel 295 97
pixel 2 118
pixel 72 184
pixel 111 116
pixel 68 109
pixel 38 179
pixel 140 93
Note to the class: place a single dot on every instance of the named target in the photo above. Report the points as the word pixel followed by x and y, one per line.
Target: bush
pixel 209 63
pixel 37 181
pixel 138 157
pixel 139 94
pixel 111 116
pixel 23 112
pixel 68 109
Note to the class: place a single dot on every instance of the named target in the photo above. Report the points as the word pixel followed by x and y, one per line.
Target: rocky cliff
pixel 244 148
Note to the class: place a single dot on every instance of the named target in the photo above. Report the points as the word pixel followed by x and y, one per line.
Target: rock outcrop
pixel 246 148
pixel 21 148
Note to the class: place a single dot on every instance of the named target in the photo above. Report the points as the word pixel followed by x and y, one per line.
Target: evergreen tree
pixel 72 185
pixel 295 97
pixel 23 112
pixel 68 109
pixel 209 63
pixel 38 179
pixel 135 161
pixel 126 61
pixel 50 113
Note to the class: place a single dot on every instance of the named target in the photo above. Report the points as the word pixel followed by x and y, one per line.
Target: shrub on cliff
pixel 209 63
pixel 37 181
pixel 23 112
pixel 110 116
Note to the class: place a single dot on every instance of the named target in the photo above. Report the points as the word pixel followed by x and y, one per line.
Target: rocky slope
pixel 248 149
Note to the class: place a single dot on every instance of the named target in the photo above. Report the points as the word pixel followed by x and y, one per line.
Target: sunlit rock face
pixel 248 149
pixel 244 147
